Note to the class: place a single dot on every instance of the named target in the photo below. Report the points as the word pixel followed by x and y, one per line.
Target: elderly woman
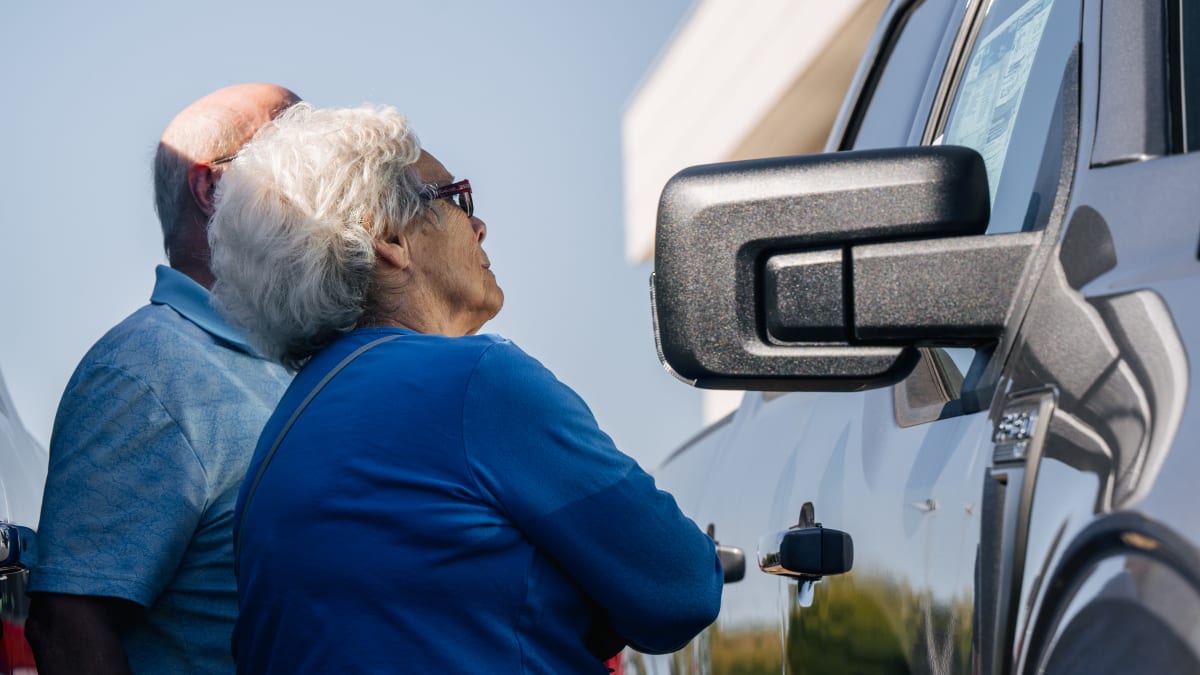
pixel 424 499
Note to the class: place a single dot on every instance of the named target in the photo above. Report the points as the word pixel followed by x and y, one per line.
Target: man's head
pixel 188 165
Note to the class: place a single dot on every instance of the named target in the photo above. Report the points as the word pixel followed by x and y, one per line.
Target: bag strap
pixel 237 544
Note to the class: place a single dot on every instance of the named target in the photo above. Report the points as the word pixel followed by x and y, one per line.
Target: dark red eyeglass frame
pixel 461 190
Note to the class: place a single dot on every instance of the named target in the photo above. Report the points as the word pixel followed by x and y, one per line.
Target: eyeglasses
pixel 223 160
pixel 461 191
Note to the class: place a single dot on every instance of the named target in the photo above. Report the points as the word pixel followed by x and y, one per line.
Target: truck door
pixel 900 469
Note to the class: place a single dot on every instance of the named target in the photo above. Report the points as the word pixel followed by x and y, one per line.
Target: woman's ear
pixel 396 253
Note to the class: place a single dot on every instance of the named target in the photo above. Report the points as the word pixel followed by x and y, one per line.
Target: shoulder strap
pixel 262 468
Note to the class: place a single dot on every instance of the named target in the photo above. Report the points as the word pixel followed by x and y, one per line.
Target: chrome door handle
pixel 806 552
pixel 733 562
pixel 18 547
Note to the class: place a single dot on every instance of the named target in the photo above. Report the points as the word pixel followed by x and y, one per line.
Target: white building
pixel 740 79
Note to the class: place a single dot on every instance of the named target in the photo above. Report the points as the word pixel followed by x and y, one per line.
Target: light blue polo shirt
pixel 150 445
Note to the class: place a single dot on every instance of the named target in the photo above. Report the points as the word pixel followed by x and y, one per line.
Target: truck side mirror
pixel 825 272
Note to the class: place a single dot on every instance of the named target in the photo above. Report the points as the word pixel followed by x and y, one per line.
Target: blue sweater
pixel 447 505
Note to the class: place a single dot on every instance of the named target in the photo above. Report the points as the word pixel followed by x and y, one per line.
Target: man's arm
pixel 80 633
pixel 117 517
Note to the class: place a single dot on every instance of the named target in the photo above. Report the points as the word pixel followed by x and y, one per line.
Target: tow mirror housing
pixel 825 272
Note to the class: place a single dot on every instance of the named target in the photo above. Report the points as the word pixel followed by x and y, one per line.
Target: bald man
pixel 152 439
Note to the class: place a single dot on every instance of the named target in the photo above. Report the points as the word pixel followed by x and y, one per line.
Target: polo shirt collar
pixel 182 294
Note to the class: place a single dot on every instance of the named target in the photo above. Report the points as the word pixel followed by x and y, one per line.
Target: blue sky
pixel 522 97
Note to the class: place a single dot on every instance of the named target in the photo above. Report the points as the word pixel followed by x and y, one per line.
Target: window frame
pixel 1185 132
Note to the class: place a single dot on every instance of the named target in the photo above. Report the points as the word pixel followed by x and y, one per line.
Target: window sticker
pixel 990 95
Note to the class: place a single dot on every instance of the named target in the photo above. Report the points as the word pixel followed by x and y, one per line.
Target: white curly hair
pixel 296 217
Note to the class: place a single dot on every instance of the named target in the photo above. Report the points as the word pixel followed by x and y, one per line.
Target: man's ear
pixel 396 253
pixel 202 182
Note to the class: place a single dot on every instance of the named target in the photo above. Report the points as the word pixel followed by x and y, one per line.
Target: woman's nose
pixel 480 228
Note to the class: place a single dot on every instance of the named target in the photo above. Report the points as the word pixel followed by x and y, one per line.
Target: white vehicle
pixel 22 476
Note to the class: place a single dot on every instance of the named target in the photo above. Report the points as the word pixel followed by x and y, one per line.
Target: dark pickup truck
pixel 969 332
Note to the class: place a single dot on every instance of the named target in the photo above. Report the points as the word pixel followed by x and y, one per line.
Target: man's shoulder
pixel 151 328
pixel 154 337
pixel 157 350
pixel 157 371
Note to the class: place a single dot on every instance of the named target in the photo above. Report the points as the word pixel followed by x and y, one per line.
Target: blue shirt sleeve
pixel 124 492
pixel 534 446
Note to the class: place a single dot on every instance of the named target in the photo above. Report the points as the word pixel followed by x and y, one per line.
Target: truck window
pixel 907 69
pixel 1005 102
